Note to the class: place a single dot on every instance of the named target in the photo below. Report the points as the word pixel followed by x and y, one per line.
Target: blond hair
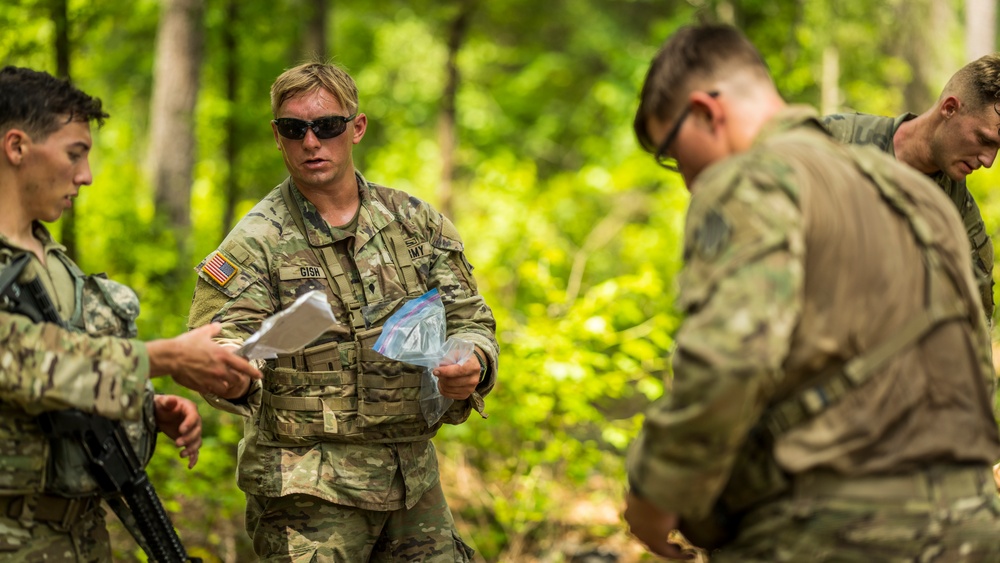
pixel 311 76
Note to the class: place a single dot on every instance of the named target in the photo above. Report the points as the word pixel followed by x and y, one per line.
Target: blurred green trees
pixel 574 232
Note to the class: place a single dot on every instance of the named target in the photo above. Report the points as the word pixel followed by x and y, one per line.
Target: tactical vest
pixel 756 475
pixel 345 391
pixel 30 463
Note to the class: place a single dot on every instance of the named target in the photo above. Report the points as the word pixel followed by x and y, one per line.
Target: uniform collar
pixel 41 233
pixel 896 122
pixel 372 217
pixel 790 117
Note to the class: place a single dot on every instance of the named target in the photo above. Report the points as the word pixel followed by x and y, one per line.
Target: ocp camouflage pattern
pixel 43 367
pixel 794 264
pixel 276 264
pixel 329 532
pixel 95 367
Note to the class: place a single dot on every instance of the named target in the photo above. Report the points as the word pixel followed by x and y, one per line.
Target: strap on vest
pixel 327 259
pixel 303 378
pixel 335 271
pixel 313 404
pixel 374 381
pixel 334 268
pixel 386 408
pixel 402 259
pixel 809 403
pixel 324 357
pixel 75 318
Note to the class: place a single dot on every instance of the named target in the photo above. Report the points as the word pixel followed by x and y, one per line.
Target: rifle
pixel 113 462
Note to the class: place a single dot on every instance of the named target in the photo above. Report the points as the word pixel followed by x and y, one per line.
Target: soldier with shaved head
pixel 957 135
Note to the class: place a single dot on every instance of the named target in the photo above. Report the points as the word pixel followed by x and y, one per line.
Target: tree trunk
pixel 447 134
pixel 232 146
pixel 830 83
pixel 175 90
pixel 314 32
pixel 919 20
pixel 980 28
pixel 60 18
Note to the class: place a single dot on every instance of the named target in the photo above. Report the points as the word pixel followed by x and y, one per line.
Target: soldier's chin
pixel 960 171
pixel 963 170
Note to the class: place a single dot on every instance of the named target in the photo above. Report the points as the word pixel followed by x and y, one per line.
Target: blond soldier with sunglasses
pixel 336 460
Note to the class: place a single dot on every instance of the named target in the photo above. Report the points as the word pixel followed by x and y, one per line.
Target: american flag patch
pixel 220 269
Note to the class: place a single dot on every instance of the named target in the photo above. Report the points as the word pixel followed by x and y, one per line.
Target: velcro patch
pixel 300 272
pixel 712 235
pixel 416 248
pixel 220 269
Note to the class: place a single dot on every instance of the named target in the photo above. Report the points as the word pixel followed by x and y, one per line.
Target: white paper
pixel 292 329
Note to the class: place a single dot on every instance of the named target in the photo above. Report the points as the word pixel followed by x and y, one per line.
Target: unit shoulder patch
pixel 712 235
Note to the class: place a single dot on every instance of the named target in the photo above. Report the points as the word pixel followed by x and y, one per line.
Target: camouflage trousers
pixel 946 516
pixel 26 540
pixel 302 528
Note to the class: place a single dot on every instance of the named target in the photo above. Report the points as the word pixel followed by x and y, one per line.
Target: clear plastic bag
pixel 415 334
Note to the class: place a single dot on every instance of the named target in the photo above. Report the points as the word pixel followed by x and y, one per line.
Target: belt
pixel 934 483
pixel 61 511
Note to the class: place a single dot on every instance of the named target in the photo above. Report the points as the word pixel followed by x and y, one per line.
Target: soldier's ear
pixel 15 143
pixel 950 106
pixel 359 125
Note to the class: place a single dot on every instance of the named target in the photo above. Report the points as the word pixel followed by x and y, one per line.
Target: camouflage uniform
pixel 333 446
pixel 791 413
pixel 48 504
pixel 878 131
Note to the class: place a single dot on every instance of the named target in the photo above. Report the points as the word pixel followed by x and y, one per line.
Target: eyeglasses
pixel 661 156
pixel 323 128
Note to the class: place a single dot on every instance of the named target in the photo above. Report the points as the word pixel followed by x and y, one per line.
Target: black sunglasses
pixel 669 162
pixel 323 128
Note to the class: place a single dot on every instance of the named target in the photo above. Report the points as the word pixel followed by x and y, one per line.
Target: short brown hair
pixel 311 76
pixel 692 55
pixel 40 103
pixel 977 83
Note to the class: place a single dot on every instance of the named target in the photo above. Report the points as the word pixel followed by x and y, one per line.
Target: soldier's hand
pixel 652 527
pixel 199 363
pixel 458 381
pixel 178 418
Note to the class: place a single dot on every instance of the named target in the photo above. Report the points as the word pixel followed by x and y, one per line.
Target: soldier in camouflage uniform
pixel 49 506
pixel 336 459
pixel 960 133
pixel 831 393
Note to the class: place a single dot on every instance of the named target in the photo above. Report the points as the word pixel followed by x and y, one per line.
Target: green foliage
pixel 574 232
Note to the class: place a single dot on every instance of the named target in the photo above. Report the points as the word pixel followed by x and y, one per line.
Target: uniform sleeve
pixel 981 246
pixel 741 291
pixel 469 317
pixel 240 305
pixel 837 126
pixel 44 367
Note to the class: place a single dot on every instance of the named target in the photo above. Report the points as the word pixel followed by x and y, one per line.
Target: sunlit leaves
pixel 575 234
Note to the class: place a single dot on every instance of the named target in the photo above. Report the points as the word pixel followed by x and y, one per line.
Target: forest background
pixel 512 117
